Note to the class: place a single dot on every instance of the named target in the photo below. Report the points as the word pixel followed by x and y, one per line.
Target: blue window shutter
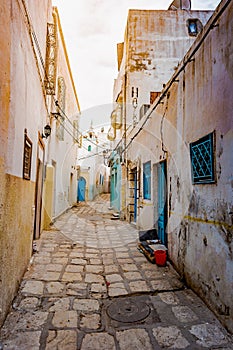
pixel 147 180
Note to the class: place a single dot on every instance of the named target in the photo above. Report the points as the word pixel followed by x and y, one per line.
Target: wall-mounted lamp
pixel 47 131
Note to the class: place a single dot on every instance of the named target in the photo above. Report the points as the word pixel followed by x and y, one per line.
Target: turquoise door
pixel 81 189
pixel 162 202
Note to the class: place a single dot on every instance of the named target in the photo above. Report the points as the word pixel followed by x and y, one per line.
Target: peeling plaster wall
pixel 200 219
pixel 156 41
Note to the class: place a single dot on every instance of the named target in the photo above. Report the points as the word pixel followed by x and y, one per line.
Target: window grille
pixel 202 160
pixel 27 156
pixel 147 180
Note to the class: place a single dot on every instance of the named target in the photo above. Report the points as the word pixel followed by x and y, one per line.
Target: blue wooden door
pixel 162 202
pixel 135 196
pixel 81 189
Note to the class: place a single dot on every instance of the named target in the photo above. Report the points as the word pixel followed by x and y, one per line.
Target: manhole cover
pixel 128 311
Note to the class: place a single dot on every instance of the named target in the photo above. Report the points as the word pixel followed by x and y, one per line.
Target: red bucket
pixel 160 257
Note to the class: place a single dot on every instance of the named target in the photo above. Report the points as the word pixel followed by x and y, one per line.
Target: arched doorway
pixel 81 189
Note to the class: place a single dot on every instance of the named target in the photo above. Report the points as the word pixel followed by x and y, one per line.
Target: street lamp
pixel 47 131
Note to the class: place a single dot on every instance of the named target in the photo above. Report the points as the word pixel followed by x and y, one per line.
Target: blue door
pixel 162 202
pixel 81 189
pixel 135 195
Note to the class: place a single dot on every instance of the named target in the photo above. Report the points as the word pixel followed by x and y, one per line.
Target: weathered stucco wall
pixel 155 43
pixel 200 234
pixel 22 107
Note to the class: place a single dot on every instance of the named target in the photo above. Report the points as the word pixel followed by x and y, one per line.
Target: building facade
pixel 155 41
pixel 33 58
pixel 179 165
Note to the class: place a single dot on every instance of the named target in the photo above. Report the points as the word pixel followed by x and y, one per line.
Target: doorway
pixel 162 201
pixel 81 189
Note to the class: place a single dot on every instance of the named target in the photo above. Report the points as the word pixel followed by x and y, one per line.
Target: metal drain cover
pixel 128 311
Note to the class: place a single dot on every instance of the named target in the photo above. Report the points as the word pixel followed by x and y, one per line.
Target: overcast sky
pixel 92 29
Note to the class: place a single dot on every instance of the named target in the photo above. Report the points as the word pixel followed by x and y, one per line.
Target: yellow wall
pixel 16 235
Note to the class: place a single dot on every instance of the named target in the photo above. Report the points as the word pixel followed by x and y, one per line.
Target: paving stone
pixel 169 298
pixel 54 287
pixel 134 339
pixel 92 251
pixel 113 278
pixel 98 288
pixel 93 278
pixel 90 321
pixel 85 305
pixel 65 319
pixel 60 261
pixel 23 321
pixel 94 268
pixel 74 268
pixel 125 261
pixel 139 286
pixel 59 255
pixel 76 254
pixel 121 249
pixel 78 261
pixel 208 335
pixel 98 341
pixel 184 314
pixel 108 261
pixel 61 340
pixel 129 267
pixel 133 275
pixel 111 268
pixel 170 337
pixel 71 276
pixel 23 341
pixel 33 287
pixel 41 260
pixel 54 267
pixel 117 289
pixel 29 303
pixel 95 261
pixel 162 284
pixel 50 276
pixel 62 304
pixel 153 274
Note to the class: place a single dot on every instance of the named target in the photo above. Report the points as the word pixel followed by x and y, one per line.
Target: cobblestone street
pixel 88 287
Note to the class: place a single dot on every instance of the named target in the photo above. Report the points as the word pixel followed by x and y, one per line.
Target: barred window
pixel 202 160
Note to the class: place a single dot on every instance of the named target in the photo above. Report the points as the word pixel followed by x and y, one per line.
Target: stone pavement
pixel 88 287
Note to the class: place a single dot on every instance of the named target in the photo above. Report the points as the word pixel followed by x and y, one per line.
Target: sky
pixel 92 29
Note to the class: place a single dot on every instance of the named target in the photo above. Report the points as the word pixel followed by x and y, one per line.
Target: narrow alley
pixel 89 287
